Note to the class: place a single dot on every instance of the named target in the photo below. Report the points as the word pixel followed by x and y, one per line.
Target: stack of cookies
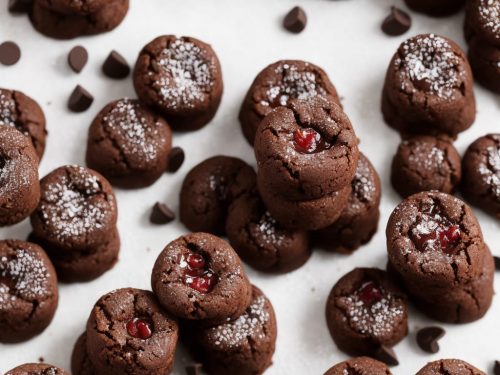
pixel 436 248
pixel 75 223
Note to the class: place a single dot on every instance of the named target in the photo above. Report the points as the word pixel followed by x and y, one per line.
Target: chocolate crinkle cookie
pixel 76 7
pixel 428 88
pixel 366 310
pixel 359 366
pixel 276 85
pixel 200 277
pixel 37 369
pixel 180 77
pixel 449 367
pixel 129 144
pixel 481 166
pixel 358 221
pixel 28 291
pixel 424 163
pixel 436 8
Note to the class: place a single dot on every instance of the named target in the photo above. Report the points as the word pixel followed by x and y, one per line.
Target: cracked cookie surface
pixel 449 367
pixel 359 366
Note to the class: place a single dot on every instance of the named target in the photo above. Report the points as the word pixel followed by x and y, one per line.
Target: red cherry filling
pixel 139 328
pixel 446 238
pixel 369 293
pixel 197 275
pixel 308 141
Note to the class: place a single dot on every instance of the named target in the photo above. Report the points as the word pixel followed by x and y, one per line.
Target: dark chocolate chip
pixel 175 159
pixel 295 20
pixel 41 359
pixel 387 355
pixel 194 369
pixel 496 368
pixel 9 53
pixel 20 6
pixel 161 214
pixel 427 338
pixel 497 263
pixel 77 58
pixel 396 23
pixel 80 99
pixel 116 66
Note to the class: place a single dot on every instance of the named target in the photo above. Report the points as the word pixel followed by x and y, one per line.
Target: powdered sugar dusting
pixel 491 171
pixel 266 231
pixel 425 157
pixel 363 183
pixel 7 110
pixel 489 13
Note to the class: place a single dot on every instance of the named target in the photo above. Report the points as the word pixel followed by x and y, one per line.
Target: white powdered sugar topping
pixel 363 184
pixel 489 12
pixel 425 157
pixel 266 230
pixel 185 76
pixel 491 170
pixel 7 110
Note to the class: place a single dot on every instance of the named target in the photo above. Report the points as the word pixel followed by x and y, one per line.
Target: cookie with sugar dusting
pixel 37 369
pixel 180 77
pixel 361 366
pixel 436 8
pixel 428 88
pixel 28 290
pixel 278 83
pixel 482 21
pixel 365 310
pixel 449 366
pixel 129 144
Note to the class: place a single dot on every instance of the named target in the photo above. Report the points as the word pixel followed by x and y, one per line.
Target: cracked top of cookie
pixel 449 366
pixel 359 366
pixel 37 369
pixel 80 7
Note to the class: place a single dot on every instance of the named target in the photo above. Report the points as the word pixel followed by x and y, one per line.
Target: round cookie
pixel 200 277
pixel 72 7
pixel 482 21
pixel 358 221
pixel 80 361
pixel 77 209
pixel 436 8
pixel 128 332
pixel 23 113
pixel 449 367
pixel 129 144
pixel 28 291
pixel 428 88
pixel 359 365
pixel 244 346
pixel 36 369
pixel 424 163
pixel 481 168
pixel 19 185
pixel 276 84
pixel 306 150
pixel 260 241
pixel 485 62
pixel 181 78
pixel 208 190
pixel 63 26
pixel 365 310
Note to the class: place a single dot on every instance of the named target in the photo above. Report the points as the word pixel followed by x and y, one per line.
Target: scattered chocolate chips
pixel 161 214
pixel 497 263
pixel 387 355
pixel 496 368
pixel 194 369
pixel 10 53
pixel 427 338
pixel 396 23
pixel 41 359
pixel 80 99
pixel 77 58
pixel 20 6
pixel 296 20
pixel 175 159
pixel 115 66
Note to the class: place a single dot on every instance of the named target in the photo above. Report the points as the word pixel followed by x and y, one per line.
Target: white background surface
pixel 344 38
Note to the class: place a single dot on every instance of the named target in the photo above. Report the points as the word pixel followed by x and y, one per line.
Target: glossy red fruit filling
pixel 448 238
pixel 139 328
pixel 369 293
pixel 197 274
pixel 442 238
pixel 309 141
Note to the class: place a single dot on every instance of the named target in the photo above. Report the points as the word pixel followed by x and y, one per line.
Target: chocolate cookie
pixel 23 113
pixel 77 209
pixel 485 62
pixel 424 163
pixel 72 7
pixel 365 310
pixel 428 88
pixel 128 332
pixel 260 241
pixel 276 84
pixel 449 367
pixel 208 190
pixel 436 8
pixel 359 366
pixel 19 185
pixel 200 277
pixel 28 290
pixel 80 361
pixel 481 166
pixel 36 369
pixel 306 150
pixel 244 346
pixel 358 221
pixel 482 21
pixel 129 144
pixel 68 26
pixel 181 78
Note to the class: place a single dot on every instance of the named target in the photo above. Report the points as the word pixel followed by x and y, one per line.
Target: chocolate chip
pixel 80 99
pixel 161 214
pixel 194 369
pixel 116 66
pixel 41 359
pixel 427 338
pixel 77 58
pixel 387 355
pixel 9 53
pixel 496 368
pixel 295 20
pixel 20 6
pixel 497 263
pixel 396 23
pixel 175 159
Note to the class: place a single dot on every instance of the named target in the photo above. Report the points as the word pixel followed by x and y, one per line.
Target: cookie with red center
pixel 37 369
pixel 449 367
pixel 28 290
pixel 200 277
pixel 306 150
pixel 359 365
pixel 365 310
pixel 129 332
pixel 276 85
pixel 436 8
